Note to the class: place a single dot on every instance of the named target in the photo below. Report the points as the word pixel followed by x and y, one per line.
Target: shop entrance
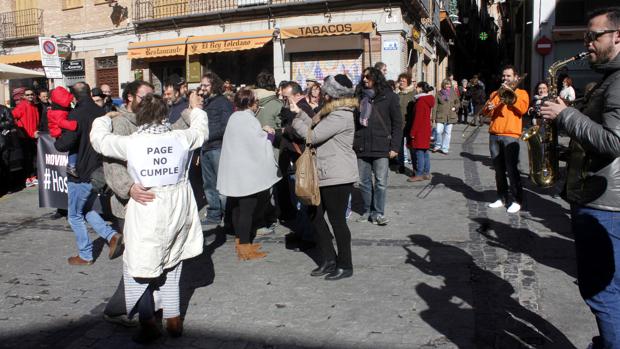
pixel 161 71
pixel 240 67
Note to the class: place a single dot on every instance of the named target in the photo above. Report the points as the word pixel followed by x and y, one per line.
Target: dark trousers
pixel 246 211
pixel 505 155
pixel 146 305
pixel 334 201
pixel 116 305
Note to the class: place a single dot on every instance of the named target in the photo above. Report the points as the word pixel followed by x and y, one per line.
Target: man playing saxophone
pixel 593 180
pixel 506 106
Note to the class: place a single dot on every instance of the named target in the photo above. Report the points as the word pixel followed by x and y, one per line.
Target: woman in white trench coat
pixel 161 234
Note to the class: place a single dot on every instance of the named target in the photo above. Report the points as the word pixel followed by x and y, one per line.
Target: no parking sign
pixel 49 57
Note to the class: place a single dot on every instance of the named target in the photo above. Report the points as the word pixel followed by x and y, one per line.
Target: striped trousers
pixel 165 289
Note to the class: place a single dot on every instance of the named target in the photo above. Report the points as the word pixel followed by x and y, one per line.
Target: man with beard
pixel 218 108
pixel 593 179
pixel 108 106
pixel 176 103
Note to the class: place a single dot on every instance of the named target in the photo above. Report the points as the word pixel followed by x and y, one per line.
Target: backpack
pixel 306 175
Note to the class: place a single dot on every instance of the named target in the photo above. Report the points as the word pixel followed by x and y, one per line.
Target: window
pixel 71 4
pixel 574 12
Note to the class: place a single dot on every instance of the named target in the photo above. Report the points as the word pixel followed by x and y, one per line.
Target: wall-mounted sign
pixel 64 51
pixel 73 66
pixel 53 72
pixel 390 45
pixel 49 52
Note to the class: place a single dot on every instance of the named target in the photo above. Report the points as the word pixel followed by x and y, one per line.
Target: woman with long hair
pixel 420 133
pixel 247 171
pixel 331 133
pixel 315 97
pixel 445 115
pixel 161 234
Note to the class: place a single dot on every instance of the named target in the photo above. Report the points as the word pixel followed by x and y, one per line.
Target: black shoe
pixel 325 268
pixel 339 273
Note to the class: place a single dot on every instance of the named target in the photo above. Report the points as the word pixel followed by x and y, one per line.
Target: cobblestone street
pixel 446 272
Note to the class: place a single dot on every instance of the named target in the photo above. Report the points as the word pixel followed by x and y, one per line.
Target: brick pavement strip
pixel 445 273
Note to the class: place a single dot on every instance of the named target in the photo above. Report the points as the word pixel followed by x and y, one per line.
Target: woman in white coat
pixel 160 234
pixel 247 171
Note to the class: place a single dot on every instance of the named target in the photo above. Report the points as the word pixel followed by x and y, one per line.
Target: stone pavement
pixel 447 272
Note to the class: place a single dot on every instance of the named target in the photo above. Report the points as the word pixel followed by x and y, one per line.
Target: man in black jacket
pixel 219 109
pixel 79 189
pixel 593 180
pixel 378 138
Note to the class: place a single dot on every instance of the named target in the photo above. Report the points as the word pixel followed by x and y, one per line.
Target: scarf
pixel 445 94
pixel 154 128
pixel 366 106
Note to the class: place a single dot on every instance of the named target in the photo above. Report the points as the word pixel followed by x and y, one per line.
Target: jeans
pixel 209 163
pixel 403 154
pixel 373 196
pixel 334 200
pixel 423 162
pixel 81 200
pixel 444 133
pixel 505 155
pixel 597 241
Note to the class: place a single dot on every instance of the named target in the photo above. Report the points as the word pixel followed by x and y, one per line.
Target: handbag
pixel 306 175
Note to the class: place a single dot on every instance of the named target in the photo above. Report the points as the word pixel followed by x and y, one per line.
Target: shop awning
pixel 326 29
pixel 21 57
pixel 156 48
pixel 228 42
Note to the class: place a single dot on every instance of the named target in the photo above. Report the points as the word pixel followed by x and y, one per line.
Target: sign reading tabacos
pixel 327 29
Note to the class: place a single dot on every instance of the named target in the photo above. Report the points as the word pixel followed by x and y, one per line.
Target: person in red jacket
pixel 58 120
pixel 26 115
pixel 420 132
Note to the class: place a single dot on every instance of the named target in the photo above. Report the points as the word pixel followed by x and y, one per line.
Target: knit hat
pixel 338 86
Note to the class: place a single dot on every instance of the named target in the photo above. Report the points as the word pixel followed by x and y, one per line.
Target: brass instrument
pixel 506 92
pixel 542 139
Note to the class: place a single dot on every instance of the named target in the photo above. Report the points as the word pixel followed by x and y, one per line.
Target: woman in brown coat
pixel 445 116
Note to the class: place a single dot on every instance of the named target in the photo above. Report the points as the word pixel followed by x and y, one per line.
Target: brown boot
pixel 256 254
pixel 174 326
pixel 148 332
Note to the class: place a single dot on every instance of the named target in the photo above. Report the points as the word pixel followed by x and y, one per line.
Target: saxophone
pixel 542 139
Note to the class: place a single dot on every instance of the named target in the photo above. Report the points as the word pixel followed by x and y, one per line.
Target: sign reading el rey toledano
pixel 157 161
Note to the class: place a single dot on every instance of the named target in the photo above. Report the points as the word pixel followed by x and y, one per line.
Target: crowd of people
pixel 247 142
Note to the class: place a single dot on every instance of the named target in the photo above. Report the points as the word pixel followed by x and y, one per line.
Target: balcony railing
pixel 145 10
pixel 21 24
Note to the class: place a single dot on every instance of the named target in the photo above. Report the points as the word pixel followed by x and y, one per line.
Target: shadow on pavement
pixel 498 320
pixel 483 159
pixel 458 185
pixel 554 252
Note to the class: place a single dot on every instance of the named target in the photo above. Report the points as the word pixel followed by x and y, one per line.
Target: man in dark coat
pixel 378 138
pixel 80 189
pixel 219 109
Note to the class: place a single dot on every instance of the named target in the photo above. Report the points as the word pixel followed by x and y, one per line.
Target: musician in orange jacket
pixel 505 130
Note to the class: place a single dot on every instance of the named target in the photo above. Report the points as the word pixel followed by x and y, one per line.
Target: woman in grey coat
pixel 333 128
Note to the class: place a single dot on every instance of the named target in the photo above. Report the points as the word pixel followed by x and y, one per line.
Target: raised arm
pixel 198 132
pixel 106 143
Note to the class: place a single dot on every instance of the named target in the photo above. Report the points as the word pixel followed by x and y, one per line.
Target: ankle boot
pixel 148 332
pixel 174 326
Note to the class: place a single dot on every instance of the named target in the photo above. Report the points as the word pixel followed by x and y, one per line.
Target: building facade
pixel 106 41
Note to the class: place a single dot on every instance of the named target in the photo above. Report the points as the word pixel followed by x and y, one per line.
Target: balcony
pixel 149 10
pixel 22 24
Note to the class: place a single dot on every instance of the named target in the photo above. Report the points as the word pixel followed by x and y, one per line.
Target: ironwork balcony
pixel 21 24
pixel 145 10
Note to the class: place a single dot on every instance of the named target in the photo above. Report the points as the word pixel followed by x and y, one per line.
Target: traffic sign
pixel 49 52
pixel 544 46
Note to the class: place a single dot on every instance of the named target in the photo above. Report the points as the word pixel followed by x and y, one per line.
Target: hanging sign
pixel 49 52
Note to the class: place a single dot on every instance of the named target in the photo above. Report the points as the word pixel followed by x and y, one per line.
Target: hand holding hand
pixel 140 194
pixel 550 110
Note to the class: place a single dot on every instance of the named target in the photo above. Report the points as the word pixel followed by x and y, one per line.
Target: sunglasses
pixel 28 94
pixel 590 36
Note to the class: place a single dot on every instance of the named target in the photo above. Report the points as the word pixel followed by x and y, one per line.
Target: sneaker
pixel 497 204
pixel 34 180
pixel 514 208
pixel 380 220
pixel 29 183
pixel 363 218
